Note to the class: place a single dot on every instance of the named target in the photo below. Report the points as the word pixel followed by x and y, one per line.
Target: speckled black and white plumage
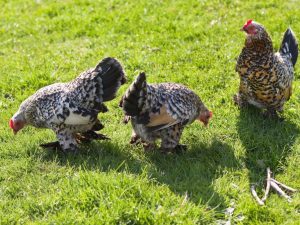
pixel 265 77
pixel 71 108
pixel 161 111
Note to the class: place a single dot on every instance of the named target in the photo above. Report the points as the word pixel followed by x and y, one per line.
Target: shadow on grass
pixel 193 172
pixel 101 155
pixel 267 141
pixel 196 170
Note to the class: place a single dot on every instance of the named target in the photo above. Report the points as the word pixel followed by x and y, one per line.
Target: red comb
pixel 210 114
pixel 247 23
pixel 11 124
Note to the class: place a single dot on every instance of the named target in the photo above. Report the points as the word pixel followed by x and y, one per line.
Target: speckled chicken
pixel 161 111
pixel 265 77
pixel 71 109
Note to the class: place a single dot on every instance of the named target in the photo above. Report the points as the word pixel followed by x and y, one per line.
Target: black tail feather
pixel 133 100
pixel 289 45
pixel 112 76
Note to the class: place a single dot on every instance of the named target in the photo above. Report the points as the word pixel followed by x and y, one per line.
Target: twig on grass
pixel 284 186
pixel 268 185
pixel 255 196
pixel 276 185
pixel 279 191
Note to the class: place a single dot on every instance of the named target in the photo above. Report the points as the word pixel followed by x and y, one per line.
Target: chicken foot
pixel 53 145
pixel 90 135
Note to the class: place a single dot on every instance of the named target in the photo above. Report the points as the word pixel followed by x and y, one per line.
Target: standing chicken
pixel 161 111
pixel 71 109
pixel 265 77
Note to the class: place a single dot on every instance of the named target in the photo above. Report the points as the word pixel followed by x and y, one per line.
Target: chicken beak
pixel 242 29
pixel 15 132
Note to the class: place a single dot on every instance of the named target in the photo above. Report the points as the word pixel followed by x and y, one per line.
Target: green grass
pixel 192 42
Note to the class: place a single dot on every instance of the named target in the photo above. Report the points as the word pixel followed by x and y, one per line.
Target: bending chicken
pixel 71 109
pixel 161 111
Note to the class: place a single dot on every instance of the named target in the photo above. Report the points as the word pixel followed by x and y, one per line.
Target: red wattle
pixel 11 124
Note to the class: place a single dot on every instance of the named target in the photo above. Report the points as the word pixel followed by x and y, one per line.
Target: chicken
pixel 265 77
pixel 71 109
pixel 161 111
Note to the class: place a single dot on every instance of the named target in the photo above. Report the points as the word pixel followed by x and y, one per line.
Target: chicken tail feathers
pixel 289 45
pixel 133 100
pixel 112 76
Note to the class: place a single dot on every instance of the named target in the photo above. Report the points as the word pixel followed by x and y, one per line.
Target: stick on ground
pixel 255 196
pixel 284 186
pixel 279 191
pixel 268 185
pixel 276 185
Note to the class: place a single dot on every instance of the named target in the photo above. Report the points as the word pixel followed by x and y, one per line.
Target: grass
pixel 192 42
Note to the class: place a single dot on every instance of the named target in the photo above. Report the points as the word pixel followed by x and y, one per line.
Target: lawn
pixel 195 43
